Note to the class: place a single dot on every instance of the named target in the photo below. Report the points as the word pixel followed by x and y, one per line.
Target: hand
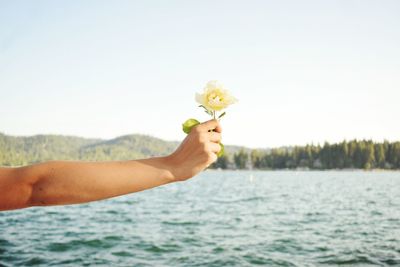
pixel 197 151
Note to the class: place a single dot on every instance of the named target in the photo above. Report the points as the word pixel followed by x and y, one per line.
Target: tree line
pixel 363 154
pixel 18 151
pixel 355 154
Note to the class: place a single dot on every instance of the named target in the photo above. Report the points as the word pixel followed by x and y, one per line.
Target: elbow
pixel 26 187
pixel 40 190
pixel 22 187
pixel 16 192
pixel 28 178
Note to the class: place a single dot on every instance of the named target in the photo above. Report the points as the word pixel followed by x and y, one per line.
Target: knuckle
pixel 202 138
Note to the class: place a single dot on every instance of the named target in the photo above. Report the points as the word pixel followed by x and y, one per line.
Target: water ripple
pixel 221 219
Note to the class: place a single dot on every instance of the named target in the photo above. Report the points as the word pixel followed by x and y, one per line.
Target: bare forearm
pixel 66 182
pixel 61 182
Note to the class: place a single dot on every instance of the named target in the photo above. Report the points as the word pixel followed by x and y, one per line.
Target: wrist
pixel 174 166
pixel 169 167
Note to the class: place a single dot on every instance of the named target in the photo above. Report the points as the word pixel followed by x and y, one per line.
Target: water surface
pixel 220 218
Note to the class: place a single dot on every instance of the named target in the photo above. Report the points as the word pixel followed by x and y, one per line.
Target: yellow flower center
pixel 215 98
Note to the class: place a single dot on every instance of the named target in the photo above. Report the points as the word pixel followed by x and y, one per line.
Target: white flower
pixel 215 97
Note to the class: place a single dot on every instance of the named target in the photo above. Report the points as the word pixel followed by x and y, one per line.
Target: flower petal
pixel 213 84
pixel 200 99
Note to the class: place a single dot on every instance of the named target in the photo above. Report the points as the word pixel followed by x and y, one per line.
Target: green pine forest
pixel 355 154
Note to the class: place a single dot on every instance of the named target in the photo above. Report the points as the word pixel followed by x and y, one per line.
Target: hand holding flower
pixel 214 98
pixel 197 151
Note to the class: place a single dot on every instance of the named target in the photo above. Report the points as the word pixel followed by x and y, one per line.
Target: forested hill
pixel 16 151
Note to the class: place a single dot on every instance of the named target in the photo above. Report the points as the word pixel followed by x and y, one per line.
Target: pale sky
pixel 303 71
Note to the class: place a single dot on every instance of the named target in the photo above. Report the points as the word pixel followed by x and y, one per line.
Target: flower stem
pixel 214 114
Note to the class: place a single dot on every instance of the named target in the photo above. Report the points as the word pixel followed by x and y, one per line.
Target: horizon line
pixel 177 141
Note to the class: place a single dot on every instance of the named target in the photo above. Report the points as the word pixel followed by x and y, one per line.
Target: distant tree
pixel 325 156
pixel 395 155
pixel 380 155
pixel 241 159
pixel 222 162
pixel 358 155
pixel 344 155
pixel 257 159
pixel 309 156
pixel 369 155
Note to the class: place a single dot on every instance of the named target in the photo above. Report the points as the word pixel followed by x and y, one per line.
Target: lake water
pixel 220 218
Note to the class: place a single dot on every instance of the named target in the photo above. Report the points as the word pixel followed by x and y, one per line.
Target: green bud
pixel 222 151
pixel 189 124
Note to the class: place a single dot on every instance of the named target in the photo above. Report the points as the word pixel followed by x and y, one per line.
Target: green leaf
pixel 222 151
pixel 189 124
pixel 220 116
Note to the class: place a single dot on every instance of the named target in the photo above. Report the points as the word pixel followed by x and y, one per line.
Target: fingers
pixel 212 158
pixel 210 125
pixel 215 137
pixel 209 131
pixel 218 128
pixel 215 148
pixel 213 154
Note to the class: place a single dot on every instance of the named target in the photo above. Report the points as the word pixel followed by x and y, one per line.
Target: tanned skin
pixel 73 182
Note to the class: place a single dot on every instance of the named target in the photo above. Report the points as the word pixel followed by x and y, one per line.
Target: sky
pixel 303 71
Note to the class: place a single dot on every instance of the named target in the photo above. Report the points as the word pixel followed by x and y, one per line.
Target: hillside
pixel 16 150
pixel 22 150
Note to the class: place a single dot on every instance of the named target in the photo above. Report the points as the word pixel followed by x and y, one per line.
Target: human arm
pixel 66 182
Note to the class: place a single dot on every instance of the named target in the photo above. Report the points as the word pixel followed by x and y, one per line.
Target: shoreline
pixel 309 170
